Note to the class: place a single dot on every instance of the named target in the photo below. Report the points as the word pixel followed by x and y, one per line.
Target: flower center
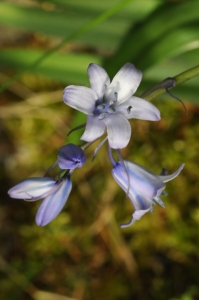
pixel 105 109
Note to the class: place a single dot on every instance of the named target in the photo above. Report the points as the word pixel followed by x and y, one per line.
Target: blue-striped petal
pixel 52 205
pixel 33 188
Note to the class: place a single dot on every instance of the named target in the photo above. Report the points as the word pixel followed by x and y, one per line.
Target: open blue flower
pixel 143 187
pixel 110 105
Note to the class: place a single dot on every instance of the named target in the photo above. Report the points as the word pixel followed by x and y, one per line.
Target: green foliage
pixel 83 253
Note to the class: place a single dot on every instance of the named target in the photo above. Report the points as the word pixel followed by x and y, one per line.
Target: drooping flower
pixel 143 187
pixel 54 193
pixel 110 105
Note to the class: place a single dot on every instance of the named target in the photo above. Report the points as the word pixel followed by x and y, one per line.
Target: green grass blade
pixel 142 37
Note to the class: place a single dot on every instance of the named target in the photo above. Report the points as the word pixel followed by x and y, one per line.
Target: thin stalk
pixel 76 128
pixel 125 168
pixel 110 155
pixel 177 80
pixel 98 147
pixel 50 168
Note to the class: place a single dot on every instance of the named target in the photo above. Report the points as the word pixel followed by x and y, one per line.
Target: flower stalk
pixel 159 89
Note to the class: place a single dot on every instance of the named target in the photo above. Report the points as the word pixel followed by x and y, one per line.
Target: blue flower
pixel 110 105
pixel 143 187
pixel 54 193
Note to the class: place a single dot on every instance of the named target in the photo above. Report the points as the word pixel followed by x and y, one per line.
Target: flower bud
pixel 70 157
pixel 33 188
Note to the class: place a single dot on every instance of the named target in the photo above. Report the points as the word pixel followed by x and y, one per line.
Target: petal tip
pixel 131 222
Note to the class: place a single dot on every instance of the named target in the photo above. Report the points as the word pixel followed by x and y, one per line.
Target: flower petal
pixel 125 83
pixel 142 204
pixel 94 129
pixel 119 130
pixel 142 182
pixel 138 108
pixel 32 188
pixel 170 177
pixel 139 213
pixel 136 216
pixel 99 80
pixel 52 205
pixel 80 98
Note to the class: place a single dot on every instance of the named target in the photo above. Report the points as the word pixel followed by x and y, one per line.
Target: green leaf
pixel 67 68
pixel 62 22
pixel 172 44
pixel 142 37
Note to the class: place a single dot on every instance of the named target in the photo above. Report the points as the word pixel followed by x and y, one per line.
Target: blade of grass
pixel 68 68
pixel 88 26
pixel 142 37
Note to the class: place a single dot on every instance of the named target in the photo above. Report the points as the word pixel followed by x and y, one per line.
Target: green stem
pixel 160 88
pixel 88 26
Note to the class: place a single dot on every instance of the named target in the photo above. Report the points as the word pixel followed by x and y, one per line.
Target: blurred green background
pixel 83 253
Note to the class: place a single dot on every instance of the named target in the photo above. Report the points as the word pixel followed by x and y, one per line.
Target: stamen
pixel 116 96
pixel 101 116
pixel 129 109
pixel 101 106
pixel 110 110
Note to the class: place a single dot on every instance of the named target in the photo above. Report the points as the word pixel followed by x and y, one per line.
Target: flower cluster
pixel 108 106
pixel 53 192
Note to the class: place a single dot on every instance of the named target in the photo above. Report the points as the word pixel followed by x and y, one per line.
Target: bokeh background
pixel 83 253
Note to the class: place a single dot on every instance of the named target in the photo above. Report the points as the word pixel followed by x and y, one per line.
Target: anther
pixel 129 109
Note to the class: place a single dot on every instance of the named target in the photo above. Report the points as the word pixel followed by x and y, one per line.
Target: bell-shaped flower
pixel 143 187
pixel 110 105
pixel 52 205
pixel 33 188
pixel 71 156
